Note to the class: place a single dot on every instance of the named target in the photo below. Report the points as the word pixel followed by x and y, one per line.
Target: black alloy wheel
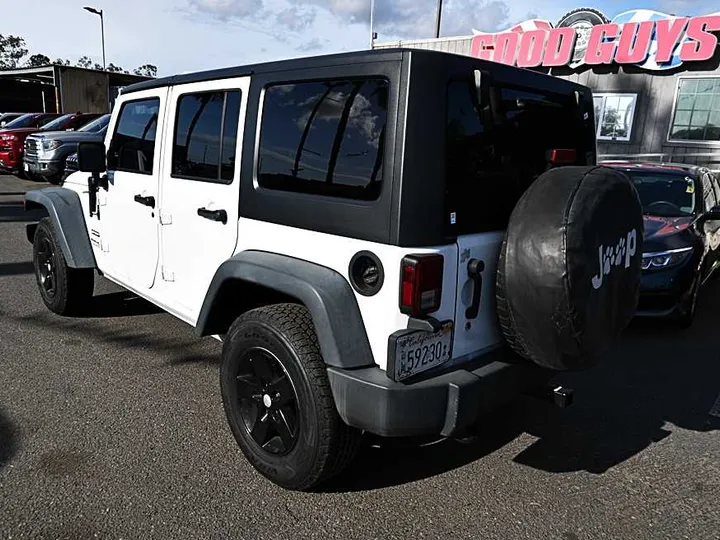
pixel 47 267
pixel 267 401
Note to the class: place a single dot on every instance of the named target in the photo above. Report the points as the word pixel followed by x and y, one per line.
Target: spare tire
pixel 569 268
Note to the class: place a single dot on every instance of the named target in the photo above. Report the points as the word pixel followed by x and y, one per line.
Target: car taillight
pixel 562 156
pixel 421 284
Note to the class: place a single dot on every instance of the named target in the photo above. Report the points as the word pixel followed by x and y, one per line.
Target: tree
pixel 12 49
pixel 61 62
pixel 146 70
pixel 84 62
pixel 98 67
pixel 38 60
pixel 115 69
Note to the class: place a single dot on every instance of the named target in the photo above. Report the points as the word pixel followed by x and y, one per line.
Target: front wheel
pixel 278 401
pixel 64 290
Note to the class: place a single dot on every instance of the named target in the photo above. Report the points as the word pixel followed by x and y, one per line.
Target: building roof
pixel 46 74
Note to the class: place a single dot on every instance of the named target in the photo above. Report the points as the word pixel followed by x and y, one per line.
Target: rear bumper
pixel 443 404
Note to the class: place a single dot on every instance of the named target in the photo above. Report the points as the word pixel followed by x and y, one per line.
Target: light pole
pixel 437 18
pixel 372 20
pixel 102 27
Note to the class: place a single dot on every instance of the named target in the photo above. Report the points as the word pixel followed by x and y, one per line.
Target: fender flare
pixel 66 214
pixel 324 292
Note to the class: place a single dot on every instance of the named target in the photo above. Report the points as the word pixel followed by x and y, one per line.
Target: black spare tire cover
pixel 569 269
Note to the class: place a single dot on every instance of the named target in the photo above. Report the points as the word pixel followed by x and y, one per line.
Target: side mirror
pixel 91 157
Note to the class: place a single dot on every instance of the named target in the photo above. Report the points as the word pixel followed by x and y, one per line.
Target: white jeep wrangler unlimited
pixel 392 242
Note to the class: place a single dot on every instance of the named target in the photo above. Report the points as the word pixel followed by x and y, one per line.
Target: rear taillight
pixel 560 156
pixel 421 284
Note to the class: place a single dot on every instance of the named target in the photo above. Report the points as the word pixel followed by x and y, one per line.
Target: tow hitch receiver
pixel 558 395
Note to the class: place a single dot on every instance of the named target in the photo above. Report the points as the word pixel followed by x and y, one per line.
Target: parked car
pixel 46 151
pixel 681 238
pixel 392 241
pixel 6 118
pixel 71 165
pixel 12 138
pixel 15 137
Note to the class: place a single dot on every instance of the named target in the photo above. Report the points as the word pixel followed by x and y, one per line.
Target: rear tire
pixel 64 290
pixel 278 401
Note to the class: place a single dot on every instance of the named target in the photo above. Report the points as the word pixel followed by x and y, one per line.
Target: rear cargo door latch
pixel 475 269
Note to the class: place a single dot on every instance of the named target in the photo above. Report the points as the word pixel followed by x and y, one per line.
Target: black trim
pixel 358 219
pixel 356 281
pixel 254 278
pixel 330 60
pixel 65 211
pixel 442 404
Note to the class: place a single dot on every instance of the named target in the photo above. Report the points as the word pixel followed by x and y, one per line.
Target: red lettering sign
pixel 506 48
pixel 532 45
pixel 559 47
pixel 481 46
pixel 599 51
pixel 699 29
pixel 668 33
pixel 634 43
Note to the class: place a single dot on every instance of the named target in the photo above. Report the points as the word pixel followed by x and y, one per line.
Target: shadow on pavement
pixel 118 304
pixel 656 380
pixel 14 269
pixel 8 439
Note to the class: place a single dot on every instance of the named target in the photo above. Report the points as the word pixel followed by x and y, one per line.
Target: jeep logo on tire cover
pixel 609 256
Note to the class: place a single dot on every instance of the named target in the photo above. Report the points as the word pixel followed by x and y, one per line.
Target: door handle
pixel 213 215
pixel 147 201
pixel 475 268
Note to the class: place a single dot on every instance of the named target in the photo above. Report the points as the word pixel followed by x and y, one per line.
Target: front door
pixel 129 208
pixel 200 188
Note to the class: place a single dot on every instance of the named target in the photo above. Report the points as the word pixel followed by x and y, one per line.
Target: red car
pixel 12 136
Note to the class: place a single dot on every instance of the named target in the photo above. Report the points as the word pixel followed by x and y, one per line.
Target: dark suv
pixel 682 236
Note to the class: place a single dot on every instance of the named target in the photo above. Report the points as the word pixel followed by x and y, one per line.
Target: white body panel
pixel 192 247
pixel 481 333
pixel 169 254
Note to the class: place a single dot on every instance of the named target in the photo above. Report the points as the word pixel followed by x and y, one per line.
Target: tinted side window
pixel 132 147
pixel 205 130
pixel 324 138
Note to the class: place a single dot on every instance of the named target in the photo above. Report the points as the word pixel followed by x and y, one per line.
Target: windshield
pixel 26 120
pixel 58 123
pixel 664 194
pixel 96 125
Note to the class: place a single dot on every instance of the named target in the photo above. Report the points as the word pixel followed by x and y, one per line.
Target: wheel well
pixel 236 297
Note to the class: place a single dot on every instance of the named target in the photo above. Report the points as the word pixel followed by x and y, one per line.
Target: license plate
pixel 420 351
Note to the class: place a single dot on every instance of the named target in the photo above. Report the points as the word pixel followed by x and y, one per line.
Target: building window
pixel 614 115
pixel 324 138
pixel 206 136
pixel 697 111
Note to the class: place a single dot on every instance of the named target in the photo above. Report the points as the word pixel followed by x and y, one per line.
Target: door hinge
pixel 167 275
pixel 165 218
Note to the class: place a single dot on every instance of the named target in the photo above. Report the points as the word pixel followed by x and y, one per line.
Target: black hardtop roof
pixel 670 167
pixel 327 60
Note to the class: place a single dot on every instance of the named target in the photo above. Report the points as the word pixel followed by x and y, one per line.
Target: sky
pixel 181 36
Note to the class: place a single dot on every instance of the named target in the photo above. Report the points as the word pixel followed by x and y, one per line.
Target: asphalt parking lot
pixel 111 426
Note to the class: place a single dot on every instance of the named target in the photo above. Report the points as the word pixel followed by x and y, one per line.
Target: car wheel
pixel 278 401
pixel 689 307
pixel 64 290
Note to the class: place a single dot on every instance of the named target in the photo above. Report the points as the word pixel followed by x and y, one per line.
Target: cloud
pixel 296 18
pixel 227 9
pixel 313 45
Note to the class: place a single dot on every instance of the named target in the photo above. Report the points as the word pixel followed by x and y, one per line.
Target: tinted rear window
pixel 493 154
pixel 324 138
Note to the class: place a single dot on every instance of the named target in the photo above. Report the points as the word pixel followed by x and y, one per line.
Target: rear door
pixel 493 154
pixel 200 192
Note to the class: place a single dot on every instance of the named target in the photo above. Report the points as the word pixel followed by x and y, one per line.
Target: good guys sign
pixel 645 38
